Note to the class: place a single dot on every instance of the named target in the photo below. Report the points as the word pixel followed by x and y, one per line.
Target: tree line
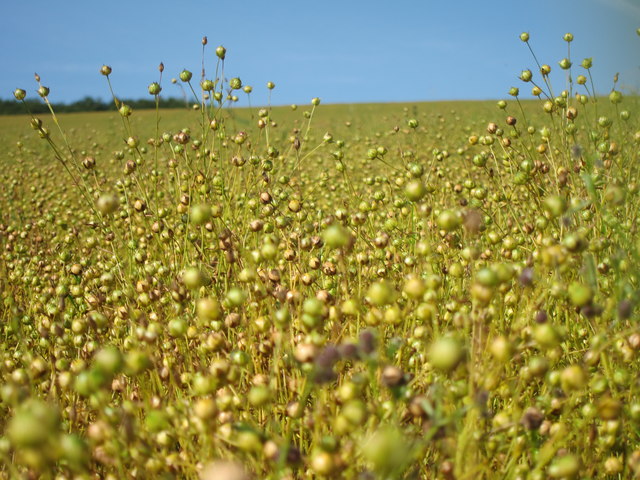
pixel 87 104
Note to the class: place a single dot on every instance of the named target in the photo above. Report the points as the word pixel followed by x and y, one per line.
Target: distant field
pixel 432 290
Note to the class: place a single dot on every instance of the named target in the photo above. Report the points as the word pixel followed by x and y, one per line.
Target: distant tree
pixel 86 104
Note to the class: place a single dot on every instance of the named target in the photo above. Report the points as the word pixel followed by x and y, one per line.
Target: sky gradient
pixel 341 51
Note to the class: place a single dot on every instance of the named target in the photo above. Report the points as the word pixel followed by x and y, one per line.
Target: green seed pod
pixel 240 358
pixel 524 36
pixel 205 408
pixel 387 451
pixel 33 424
pixel 501 348
pixel 19 94
pixel 381 294
pixel 355 411
pixel 609 408
pixel 546 336
pixel 580 294
pixel 555 205
pixel 322 462
pixel 445 353
pixel 108 360
pixel 259 396
pixel 615 97
pixel 193 278
pixel 185 75
pixel 156 421
pixel 414 287
pixel 567 466
pixel 221 52
pixel 125 110
pixel 208 309
pixel 200 214
pixel 107 204
pixel 415 190
pixel 313 307
pixel 449 220
pixel 236 297
pixel 75 451
pixel 487 277
pixel 207 85
pixel 154 88
pixel 177 327
pixel 249 441
pixel 137 362
pixel 538 366
pixel 613 466
pixel 526 75
pixel 572 378
pixel 335 236
pixel 235 83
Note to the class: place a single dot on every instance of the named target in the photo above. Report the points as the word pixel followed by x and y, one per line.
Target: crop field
pixel 380 291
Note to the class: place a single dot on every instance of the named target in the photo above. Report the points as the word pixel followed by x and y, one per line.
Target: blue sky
pixel 340 51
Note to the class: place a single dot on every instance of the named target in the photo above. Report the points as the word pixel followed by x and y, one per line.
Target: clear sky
pixel 341 51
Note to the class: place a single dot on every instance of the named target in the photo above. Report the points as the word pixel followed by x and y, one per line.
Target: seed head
pixel 125 110
pixel 207 85
pixel 221 52
pixel 615 97
pixel 568 37
pixel 107 203
pixel 367 342
pixel 526 75
pixel 532 418
pixel 105 70
pixel 392 376
pixel 415 190
pixel 445 353
pixel 524 36
pixel 567 466
pixel 335 236
pixel 194 278
pixel 565 64
pixel 185 75
pixel 19 93
pixel 155 88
